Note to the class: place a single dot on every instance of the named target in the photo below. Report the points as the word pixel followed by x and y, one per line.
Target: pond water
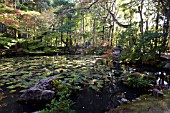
pixel 19 73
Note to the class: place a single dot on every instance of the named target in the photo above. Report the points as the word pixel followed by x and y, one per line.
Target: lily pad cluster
pixel 20 73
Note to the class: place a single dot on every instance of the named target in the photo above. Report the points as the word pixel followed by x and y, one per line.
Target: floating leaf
pixel 22 91
pixel 11 87
pixel 7 76
pixel 5 81
pixel 8 83
pixel 3 73
pixel 1 84
pixel 13 91
pixel 78 88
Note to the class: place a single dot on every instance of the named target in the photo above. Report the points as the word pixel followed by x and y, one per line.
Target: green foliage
pixel 137 83
pixel 62 2
pixel 7 42
pixel 63 103
pixel 141 46
pixel 138 80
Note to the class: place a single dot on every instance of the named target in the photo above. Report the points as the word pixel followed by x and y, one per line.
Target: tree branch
pixel 92 4
pixel 115 20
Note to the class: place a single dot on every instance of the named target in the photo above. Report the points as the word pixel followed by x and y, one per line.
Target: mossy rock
pixel 138 80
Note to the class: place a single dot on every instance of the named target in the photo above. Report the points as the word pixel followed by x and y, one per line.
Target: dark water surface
pixel 26 71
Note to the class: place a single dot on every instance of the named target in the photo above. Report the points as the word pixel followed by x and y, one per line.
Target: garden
pixel 88 56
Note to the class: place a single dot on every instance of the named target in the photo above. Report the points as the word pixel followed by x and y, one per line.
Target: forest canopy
pixel 138 26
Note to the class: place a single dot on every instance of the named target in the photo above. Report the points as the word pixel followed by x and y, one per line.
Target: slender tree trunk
pixel 83 28
pixel 70 36
pixel 147 23
pixel 94 31
pixel 140 9
pixel 61 37
pixel 142 46
pixel 1 27
pixel 157 27
pixel 112 35
pixel 103 33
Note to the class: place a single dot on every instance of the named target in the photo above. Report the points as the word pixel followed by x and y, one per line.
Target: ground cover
pixel 147 104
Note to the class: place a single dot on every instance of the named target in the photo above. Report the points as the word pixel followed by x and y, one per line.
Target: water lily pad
pixel 13 91
pixel 24 72
pixel 7 76
pixel 11 87
pixel 1 84
pixel 22 91
pixel 8 83
pixel 5 81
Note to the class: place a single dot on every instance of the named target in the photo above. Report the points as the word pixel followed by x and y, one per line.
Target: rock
pixel 120 102
pixel 167 65
pixel 124 100
pixel 43 91
pixel 34 94
pixel 46 83
pixel 35 112
pixel 133 100
pixel 138 99
pixel 157 93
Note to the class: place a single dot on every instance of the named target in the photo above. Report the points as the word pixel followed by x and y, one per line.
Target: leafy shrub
pixel 63 103
pixel 138 80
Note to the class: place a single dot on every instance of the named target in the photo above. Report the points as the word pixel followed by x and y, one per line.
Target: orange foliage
pixel 104 43
pixel 18 12
pixel 26 17
pixel 30 23
pixel 10 5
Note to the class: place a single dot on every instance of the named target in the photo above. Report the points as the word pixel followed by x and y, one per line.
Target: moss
pixel 138 80
pixel 147 104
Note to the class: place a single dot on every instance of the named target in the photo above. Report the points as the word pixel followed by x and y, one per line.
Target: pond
pixel 98 91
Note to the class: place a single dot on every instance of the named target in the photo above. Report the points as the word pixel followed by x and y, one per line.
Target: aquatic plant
pixel 63 102
pixel 138 80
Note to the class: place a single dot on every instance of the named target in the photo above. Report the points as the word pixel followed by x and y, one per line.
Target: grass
pixel 147 104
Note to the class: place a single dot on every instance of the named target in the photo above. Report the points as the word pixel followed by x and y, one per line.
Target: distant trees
pixel 138 24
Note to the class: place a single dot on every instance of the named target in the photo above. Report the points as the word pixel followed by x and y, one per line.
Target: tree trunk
pixel 140 9
pixel 103 32
pixel 94 31
pixel 157 27
pixel 83 26
pixel 147 23
pixel 112 35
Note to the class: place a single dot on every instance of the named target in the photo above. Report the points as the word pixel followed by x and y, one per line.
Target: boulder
pixel 157 93
pixel 124 100
pixel 167 65
pixel 43 91
pixel 46 84
pixel 36 95
pixel 138 99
